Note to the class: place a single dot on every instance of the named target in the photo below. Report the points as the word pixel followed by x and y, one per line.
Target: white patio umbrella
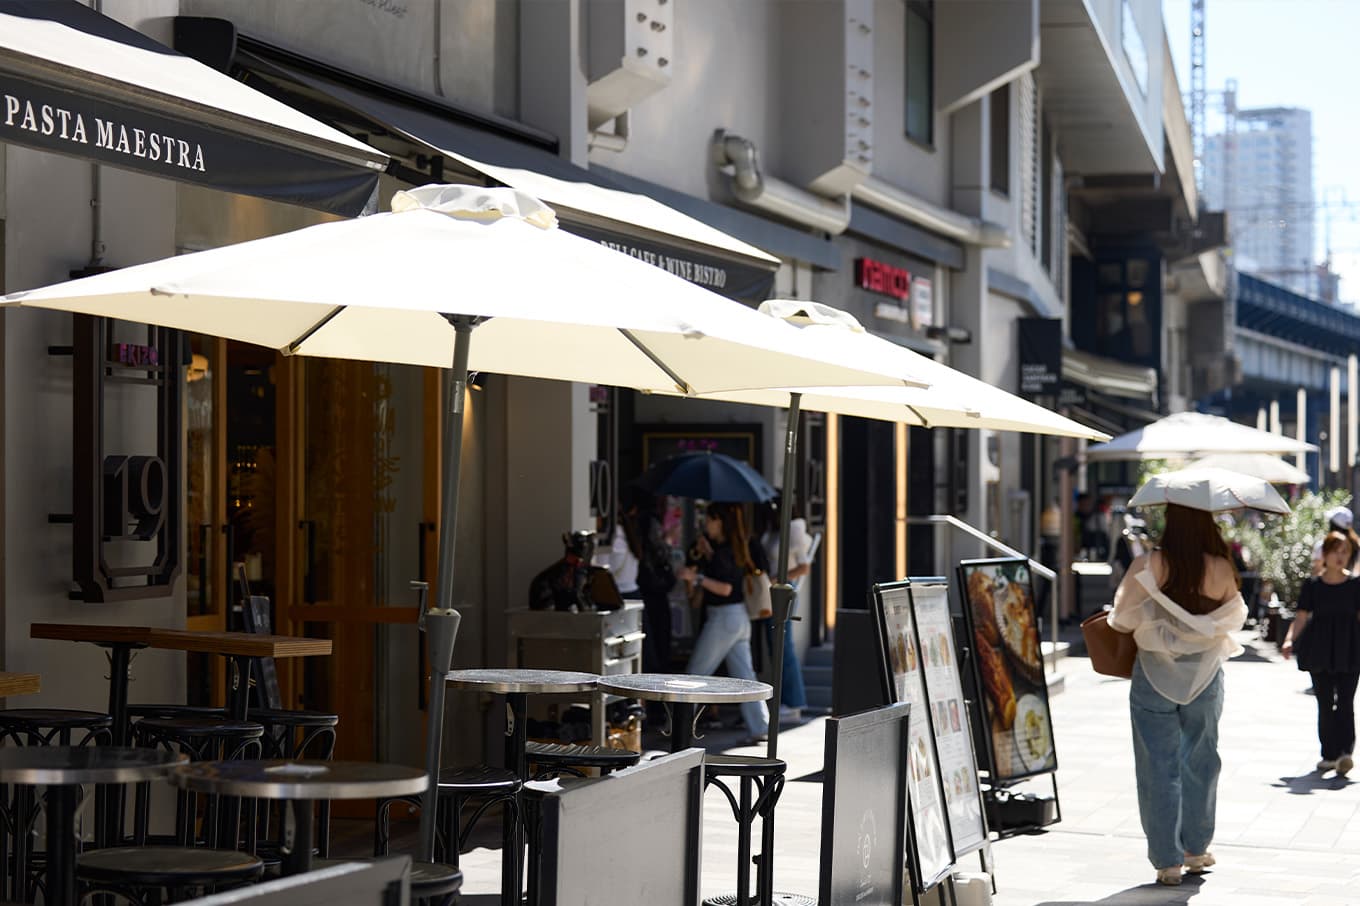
pixel 1258 465
pixel 1214 490
pixel 410 286
pixel 1190 434
pixel 953 399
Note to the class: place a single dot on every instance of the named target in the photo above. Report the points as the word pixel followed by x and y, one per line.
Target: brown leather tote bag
pixel 1112 652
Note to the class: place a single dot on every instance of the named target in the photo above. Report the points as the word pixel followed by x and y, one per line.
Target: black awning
pixel 587 203
pixel 75 82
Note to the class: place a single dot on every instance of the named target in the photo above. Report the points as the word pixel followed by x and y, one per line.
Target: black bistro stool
pixel 151 875
pixel 761 780
pixel 19 813
pixel 549 760
pixel 479 785
pixel 201 739
pixel 291 735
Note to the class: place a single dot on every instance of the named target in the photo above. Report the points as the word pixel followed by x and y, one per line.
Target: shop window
pixel 1001 139
pixel 920 71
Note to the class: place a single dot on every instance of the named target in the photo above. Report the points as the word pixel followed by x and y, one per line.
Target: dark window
pixel 1001 139
pixel 920 69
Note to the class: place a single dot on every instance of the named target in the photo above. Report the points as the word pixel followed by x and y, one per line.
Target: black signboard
pixel 137 128
pixel 1040 356
pixel 751 282
pixel 738 441
pixel 864 803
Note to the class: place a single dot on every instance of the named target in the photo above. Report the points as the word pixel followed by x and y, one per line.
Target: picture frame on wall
pixel 930 847
pixel 1008 668
pixel 948 703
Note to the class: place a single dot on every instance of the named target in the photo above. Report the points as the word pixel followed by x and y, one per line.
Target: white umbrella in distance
pixel 1189 434
pixel 1214 490
pixel 410 287
pixel 953 399
pixel 1258 465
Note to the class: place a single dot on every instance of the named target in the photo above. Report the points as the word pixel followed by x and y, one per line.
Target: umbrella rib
pixel 293 347
pixel 680 383
pixel 925 422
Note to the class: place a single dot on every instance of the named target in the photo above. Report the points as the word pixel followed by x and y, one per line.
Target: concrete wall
pixel 919 169
pixel 474 62
pixel 47 234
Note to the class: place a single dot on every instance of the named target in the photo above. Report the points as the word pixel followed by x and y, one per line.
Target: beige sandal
pixel 1169 876
pixel 1196 864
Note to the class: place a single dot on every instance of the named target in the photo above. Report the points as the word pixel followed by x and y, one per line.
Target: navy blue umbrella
pixel 707 476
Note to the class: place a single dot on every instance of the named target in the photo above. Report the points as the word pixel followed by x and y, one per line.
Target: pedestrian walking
pixel 722 559
pixel 793 694
pixel 1181 602
pixel 1325 640
pixel 1339 519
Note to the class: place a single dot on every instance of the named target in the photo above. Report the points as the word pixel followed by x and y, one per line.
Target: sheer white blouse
pixel 1180 652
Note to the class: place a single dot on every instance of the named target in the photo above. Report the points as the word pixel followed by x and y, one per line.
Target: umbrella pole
pixel 441 623
pixel 781 592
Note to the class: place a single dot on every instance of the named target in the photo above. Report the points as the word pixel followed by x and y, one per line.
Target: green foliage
pixel 1154 517
pixel 1281 547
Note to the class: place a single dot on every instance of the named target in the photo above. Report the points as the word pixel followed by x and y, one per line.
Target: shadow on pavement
pixel 1310 783
pixel 1144 895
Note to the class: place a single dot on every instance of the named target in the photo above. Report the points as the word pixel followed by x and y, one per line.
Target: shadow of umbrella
pixel 1152 894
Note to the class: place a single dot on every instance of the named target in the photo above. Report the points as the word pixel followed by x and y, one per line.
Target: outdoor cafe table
pixel 62 769
pixel 300 783
pixel 19 684
pixel 517 684
pixel 686 694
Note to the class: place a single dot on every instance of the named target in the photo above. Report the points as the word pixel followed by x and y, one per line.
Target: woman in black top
pixel 726 555
pixel 1329 610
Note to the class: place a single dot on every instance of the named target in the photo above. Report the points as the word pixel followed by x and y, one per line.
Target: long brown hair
pixel 733 521
pixel 1188 536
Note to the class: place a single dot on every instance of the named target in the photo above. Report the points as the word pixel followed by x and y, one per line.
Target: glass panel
pixel 362 507
pixel 919 90
pixel 252 489
pixel 201 454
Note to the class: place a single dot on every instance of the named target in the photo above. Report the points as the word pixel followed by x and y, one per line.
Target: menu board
pixel 931 851
pixel 953 736
pixel 1009 665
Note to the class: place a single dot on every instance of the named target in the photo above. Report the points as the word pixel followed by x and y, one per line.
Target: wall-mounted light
pixel 476 380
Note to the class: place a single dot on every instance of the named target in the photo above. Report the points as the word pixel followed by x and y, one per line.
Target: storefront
pixel 878 474
pixel 116 150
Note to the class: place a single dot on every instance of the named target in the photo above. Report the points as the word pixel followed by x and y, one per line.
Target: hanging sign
pixel 1040 357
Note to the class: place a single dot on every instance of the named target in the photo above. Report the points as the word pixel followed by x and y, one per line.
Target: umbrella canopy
pixel 410 287
pixel 708 476
pixel 1214 490
pixel 953 399
pixel 379 288
pixel 1188 434
pixel 1258 465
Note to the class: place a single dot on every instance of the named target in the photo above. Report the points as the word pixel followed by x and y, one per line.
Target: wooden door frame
pixel 216 619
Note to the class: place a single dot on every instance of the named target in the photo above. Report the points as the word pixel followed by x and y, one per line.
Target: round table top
pixel 685 687
pixel 70 765
pixel 513 679
pixel 301 779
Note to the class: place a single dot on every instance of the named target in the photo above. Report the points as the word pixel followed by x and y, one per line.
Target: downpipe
pixel 738 158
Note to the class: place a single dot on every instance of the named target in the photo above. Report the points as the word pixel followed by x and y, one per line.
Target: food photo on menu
pixel 1000 609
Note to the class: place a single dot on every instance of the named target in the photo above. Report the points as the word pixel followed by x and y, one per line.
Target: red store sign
pixel 884 279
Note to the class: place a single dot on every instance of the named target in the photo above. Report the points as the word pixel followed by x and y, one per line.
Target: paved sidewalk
pixel 1286 835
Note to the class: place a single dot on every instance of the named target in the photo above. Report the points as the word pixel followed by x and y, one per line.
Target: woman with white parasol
pixel 1182 602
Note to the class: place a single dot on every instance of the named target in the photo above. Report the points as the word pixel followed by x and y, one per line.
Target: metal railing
pixel 977 534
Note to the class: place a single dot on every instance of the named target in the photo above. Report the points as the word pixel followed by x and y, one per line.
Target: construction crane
pixel 1198 97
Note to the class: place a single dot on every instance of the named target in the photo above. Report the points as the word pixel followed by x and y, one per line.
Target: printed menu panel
pixel 953 736
pixel 999 604
pixel 931 852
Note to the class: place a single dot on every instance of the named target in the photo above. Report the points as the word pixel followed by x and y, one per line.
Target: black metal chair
pixel 761 780
pixel 292 735
pixel 479 785
pixel 151 875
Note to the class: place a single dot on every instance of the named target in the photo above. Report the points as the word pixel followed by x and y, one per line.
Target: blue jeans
pixel 1175 753
pixel 792 692
pixel 726 637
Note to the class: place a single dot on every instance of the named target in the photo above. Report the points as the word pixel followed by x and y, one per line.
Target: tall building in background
pixel 1262 175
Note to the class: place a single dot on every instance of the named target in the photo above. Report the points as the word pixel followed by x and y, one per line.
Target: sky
pixel 1291 53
